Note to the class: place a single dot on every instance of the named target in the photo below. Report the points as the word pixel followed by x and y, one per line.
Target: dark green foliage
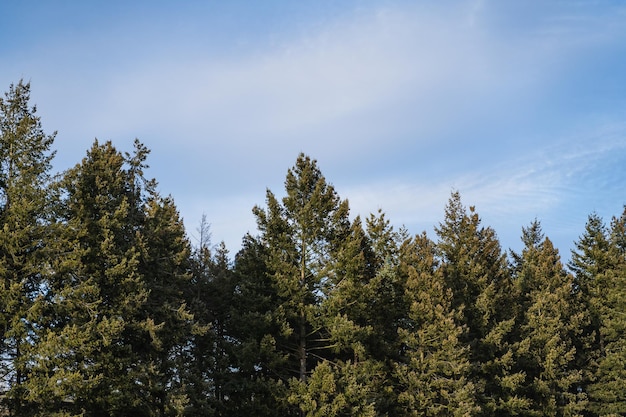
pixel 117 316
pixel 607 294
pixel 302 235
pixel 474 268
pixel 107 310
pixel 257 359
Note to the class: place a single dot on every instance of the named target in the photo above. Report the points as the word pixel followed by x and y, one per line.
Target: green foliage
pixel 107 310
pixel 474 268
pixel 608 299
pixel 25 215
pixel 433 373
pixel 338 389
pixel 473 265
pixel 114 301
pixel 302 234
pixel 547 320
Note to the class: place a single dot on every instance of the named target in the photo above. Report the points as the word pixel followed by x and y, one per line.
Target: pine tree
pixel 475 269
pixel 547 320
pixel 342 388
pixel 608 392
pixel 433 373
pixel 350 380
pixel 386 305
pixel 473 266
pixel 213 374
pixel 591 260
pixel 260 389
pixel 117 316
pixel 104 244
pixel 25 199
pixel 164 266
pixel 301 234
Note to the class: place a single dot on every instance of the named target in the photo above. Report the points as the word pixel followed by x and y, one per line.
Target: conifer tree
pixel 475 269
pixel 25 200
pixel 115 298
pixel 164 266
pixel 608 392
pixel 342 388
pixel 590 262
pixel 433 373
pixel 547 320
pixel 96 293
pixel 387 304
pixel 212 373
pixel 350 379
pixel 259 363
pixel 302 234
pixel 473 266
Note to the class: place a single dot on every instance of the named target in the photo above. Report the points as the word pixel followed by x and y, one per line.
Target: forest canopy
pixel 108 309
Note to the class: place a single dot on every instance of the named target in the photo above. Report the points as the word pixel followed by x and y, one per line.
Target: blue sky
pixel 519 105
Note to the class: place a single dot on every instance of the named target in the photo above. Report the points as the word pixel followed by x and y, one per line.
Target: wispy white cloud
pixel 460 84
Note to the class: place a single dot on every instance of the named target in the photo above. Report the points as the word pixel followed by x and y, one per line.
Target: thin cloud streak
pixel 511 195
pixel 507 196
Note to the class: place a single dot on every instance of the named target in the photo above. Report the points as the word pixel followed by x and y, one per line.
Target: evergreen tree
pixel 473 266
pixel 342 388
pixel 97 291
pixel 164 266
pixel 302 235
pixel 608 392
pixel 212 371
pixel 386 305
pixel 117 317
pixel 350 379
pixel 591 260
pixel 258 359
pixel 433 373
pixel 197 361
pixel 25 200
pixel 475 269
pixel 547 320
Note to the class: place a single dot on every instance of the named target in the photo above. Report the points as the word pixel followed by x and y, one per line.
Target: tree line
pixel 107 309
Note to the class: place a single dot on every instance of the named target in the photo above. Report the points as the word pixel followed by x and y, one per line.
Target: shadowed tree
pixel 590 262
pixel 608 294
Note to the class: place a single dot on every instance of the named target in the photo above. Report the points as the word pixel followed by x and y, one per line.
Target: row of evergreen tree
pixel 107 309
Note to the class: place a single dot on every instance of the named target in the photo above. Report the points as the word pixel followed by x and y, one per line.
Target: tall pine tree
pixel 591 260
pixel 545 352
pixel 25 203
pixel 608 392
pixel 434 369
pixel 475 269
pixel 116 314
pixel 302 235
